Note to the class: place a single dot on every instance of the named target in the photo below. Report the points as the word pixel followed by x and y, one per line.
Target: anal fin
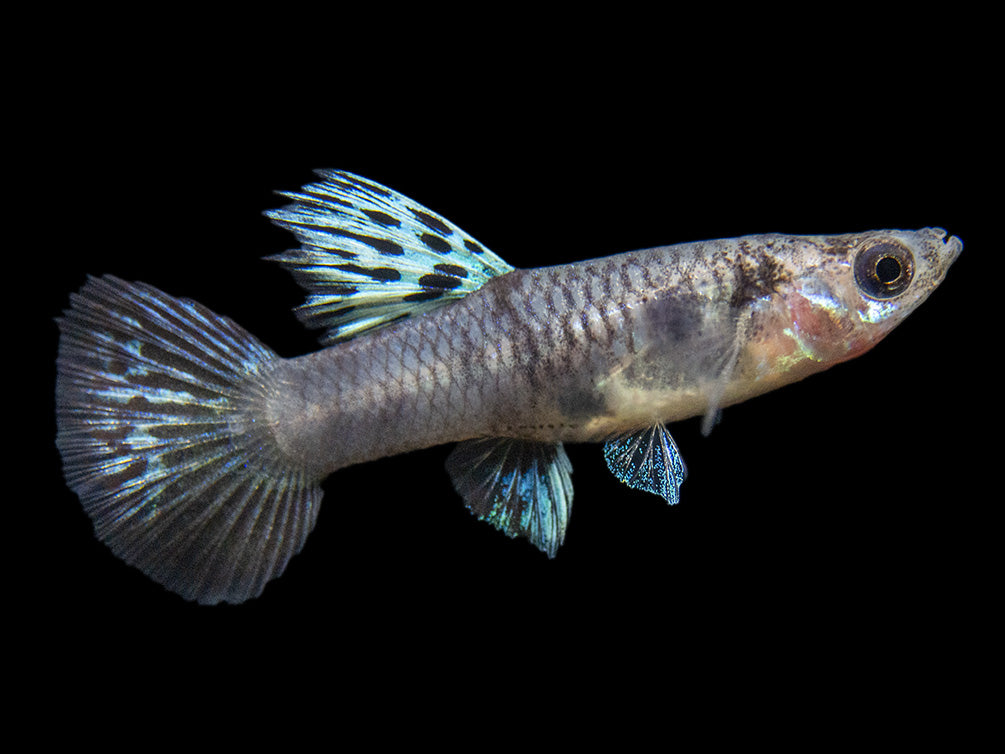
pixel 647 460
pixel 522 488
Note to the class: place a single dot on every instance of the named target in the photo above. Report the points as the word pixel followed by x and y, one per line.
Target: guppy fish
pixel 198 453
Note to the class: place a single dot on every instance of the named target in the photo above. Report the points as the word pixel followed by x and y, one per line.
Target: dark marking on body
pixel 344 253
pixel 117 480
pixel 568 333
pixel 451 269
pixel 584 284
pixel 383 274
pixel 757 274
pixel 169 431
pixel 582 404
pixel 111 437
pixel 436 243
pixel 302 225
pixel 117 366
pixel 684 336
pixel 439 281
pixel 139 404
pixel 626 277
pixel 383 245
pixel 674 318
pixel 528 351
pixel 423 296
pixel 382 217
pixel 430 221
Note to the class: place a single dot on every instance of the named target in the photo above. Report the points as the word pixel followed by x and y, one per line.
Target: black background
pixel 845 505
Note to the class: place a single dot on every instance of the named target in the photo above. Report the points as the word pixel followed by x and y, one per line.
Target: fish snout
pixel 949 248
pixel 952 247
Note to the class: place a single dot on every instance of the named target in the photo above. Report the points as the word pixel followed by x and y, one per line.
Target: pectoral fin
pixel 522 488
pixel 714 411
pixel 647 460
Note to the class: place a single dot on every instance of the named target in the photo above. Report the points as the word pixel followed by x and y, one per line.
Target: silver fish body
pixel 198 453
pixel 584 351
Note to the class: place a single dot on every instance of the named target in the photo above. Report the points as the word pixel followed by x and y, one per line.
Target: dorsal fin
pixel 370 256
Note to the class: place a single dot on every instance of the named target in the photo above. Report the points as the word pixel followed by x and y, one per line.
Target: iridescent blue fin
pixel 647 460
pixel 522 488
pixel 370 256
pixel 158 409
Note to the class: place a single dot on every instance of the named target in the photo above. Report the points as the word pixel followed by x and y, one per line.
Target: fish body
pixel 584 351
pixel 198 452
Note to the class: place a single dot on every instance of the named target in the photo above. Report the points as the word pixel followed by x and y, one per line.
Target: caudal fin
pixel 162 434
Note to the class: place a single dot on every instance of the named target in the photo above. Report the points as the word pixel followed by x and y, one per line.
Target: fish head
pixel 895 271
pixel 834 298
pixel 851 291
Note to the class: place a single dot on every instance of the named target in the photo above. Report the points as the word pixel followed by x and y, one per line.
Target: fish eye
pixel 884 270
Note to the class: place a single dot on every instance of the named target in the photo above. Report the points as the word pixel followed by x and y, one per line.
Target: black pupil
pixel 888 269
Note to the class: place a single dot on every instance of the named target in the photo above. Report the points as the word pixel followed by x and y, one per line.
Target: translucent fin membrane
pixel 370 256
pixel 158 405
pixel 522 488
pixel 648 460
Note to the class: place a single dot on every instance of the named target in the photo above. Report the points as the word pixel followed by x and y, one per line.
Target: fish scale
pixel 198 452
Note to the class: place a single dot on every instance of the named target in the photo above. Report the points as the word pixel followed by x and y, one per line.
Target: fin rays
pixel 647 460
pixel 156 401
pixel 522 488
pixel 370 256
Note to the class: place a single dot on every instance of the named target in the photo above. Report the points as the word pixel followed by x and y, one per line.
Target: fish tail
pixel 162 428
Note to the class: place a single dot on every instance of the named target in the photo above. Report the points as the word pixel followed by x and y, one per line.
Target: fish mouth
pixel 948 250
pixel 952 247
